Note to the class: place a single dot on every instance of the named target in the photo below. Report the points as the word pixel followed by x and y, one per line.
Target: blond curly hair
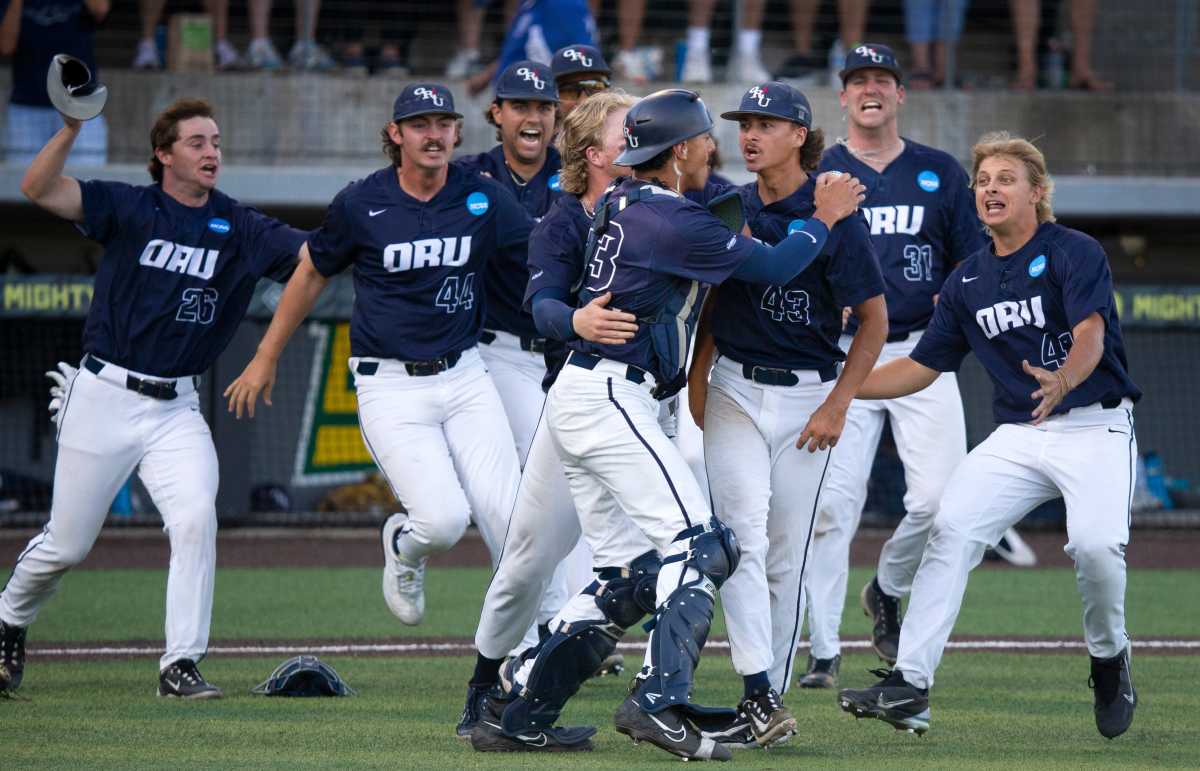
pixel 582 129
pixel 1024 151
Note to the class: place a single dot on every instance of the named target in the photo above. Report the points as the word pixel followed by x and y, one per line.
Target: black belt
pixel 589 361
pixel 164 389
pixel 414 368
pixel 898 337
pixel 783 377
pixel 1111 404
pixel 531 344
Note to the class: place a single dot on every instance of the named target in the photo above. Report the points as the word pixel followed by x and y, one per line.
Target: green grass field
pixel 990 710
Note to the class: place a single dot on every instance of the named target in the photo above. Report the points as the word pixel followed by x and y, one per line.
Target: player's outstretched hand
pixel 1053 387
pixel 597 323
pixel 824 427
pixel 837 197
pixel 58 391
pixel 258 377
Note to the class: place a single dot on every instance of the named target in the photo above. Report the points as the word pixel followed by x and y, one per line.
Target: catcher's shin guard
pixel 680 626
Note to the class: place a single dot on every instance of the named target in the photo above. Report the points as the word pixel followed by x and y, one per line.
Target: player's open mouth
pixel 433 147
pixel 530 136
pixel 994 206
pixel 750 153
pixel 871 105
pixel 208 168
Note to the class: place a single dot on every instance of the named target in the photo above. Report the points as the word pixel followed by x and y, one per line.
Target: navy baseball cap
pixel 569 60
pixel 875 56
pixel 424 99
pixel 527 80
pixel 774 100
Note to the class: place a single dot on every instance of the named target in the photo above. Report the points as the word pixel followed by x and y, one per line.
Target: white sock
pixel 697 39
pixel 748 40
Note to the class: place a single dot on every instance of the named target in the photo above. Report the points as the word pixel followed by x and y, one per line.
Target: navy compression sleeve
pixel 781 263
pixel 552 315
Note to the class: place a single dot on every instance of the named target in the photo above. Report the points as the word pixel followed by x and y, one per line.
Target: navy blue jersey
pixel 922 217
pixel 656 257
pixel 714 186
pixel 49 27
pixel 556 261
pixel 1024 306
pixel 416 292
pixel 175 280
pixel 795 326
pixel 506 276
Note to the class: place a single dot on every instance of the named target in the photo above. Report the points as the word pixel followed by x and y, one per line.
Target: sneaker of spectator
pixel 226 57
pixel 805 69
pixel 263 56
pixel 465 63
pixel 147 57
pixel 747 67
pixel 631 66
pixel 697 67
pixel 308 56
pixel 391 63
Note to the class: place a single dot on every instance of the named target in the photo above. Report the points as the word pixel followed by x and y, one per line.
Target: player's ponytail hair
pixel 811 150
pixel 1003 143
pixel 582 129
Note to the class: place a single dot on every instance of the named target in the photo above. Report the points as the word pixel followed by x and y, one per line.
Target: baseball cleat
pixel 822 673
pixel 476 698
pixel 403 582
pixel 884 612
pixel 1115 696
pixel 771 722
pixel 12 657
pixel 667 730
pixel 736 734
pixel 182 680
pixel 488 736
pixel 891 700
pixel 1012 549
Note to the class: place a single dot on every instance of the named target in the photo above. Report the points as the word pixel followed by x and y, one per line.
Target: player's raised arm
pixel 298 298
pixel 44 183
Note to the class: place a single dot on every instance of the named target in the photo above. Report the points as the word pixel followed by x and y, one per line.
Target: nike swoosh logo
pixel 806 233
pixel 890 704
pixel 534 741
pixel 969 280
pixel 760 724
pixel 374 212
pixel 671 733
pixel 1128 697
pixel 536 275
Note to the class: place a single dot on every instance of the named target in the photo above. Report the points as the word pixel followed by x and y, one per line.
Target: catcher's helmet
pixel 661 120
pixel 303 676
pixel 72 90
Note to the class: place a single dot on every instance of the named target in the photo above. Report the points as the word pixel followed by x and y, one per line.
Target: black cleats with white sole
pixel 182 680
pixel 476 696
pixel 1115 696
pixel 822 673
pixel 12 657
pixel 488 734
pixel 771 722
pixel 884 612
pixel 668 730
pixel 892 700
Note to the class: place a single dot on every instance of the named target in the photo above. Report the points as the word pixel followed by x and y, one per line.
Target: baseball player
pixel 525 164
pixel 776 402
pixel 579 72
pixel 180 263
pixel 544 528
pixel 922 221
pixel 1036 307
pixel 419 233
pixel 652 250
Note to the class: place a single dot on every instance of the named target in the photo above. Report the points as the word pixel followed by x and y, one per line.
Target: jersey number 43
pixel 786 304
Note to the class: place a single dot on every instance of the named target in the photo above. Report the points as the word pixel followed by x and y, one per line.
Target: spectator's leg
pixel 260 17
pixel 1083 24
pixel 697 67
pixel 630 14
pixel 921 21
pixel 852 21
pixel 746 64
pixel 466 59
pixel 1025 15
pixel 802 63
pixel 305 53
pixel 226 55
pixel 147 56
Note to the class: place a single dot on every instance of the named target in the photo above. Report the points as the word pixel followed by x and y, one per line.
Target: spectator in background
pixel 148 57
pixel 579 71
pixel 395 30
pixel 804 65
pixel 539 28
pixel 1029 16
pixel 930 26
pixel 466 60
pixel 32 32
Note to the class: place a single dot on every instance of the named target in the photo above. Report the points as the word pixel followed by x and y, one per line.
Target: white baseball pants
pixel 106 432
pixel 444 445
pixel 767 491
pixel 931 437
pixel 1089 456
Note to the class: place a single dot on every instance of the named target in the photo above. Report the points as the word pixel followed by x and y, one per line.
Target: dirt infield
pixel 145 548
